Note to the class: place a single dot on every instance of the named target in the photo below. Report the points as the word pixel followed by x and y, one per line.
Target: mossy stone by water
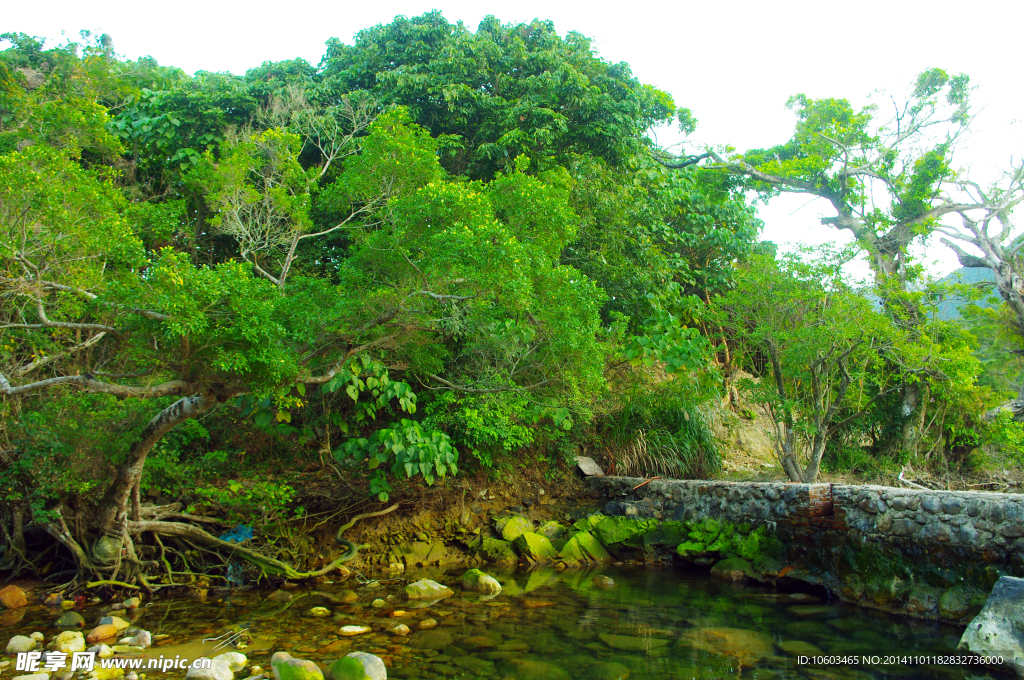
pixel 477 581
pixel 583 547
pixel 425 589
pixel 513 527
pixel 358 666
pixel 535 547
pixel 732 569
pixel 287 667
pixel 953 604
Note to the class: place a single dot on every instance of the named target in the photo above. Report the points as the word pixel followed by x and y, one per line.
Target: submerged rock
pixel 477 581
pixel 603 582
pixel 998 630
pixel 432 639
pixel 608 670
pixel 71 620
pixel 358 666
pixel 953 604
pixel 350 631
pixel 746 645
pixel 104 631
pixel 528 669
pixel 632 644
pixel 287 667
pixel 425 589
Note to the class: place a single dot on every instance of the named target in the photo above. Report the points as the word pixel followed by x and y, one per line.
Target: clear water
pixel 652 624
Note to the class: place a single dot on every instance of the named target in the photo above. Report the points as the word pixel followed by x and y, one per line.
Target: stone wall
pixel 919 552
pixel 975 520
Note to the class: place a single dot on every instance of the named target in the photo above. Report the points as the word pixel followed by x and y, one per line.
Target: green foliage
pixel 727 539
pixel 502 91
pixel 411 449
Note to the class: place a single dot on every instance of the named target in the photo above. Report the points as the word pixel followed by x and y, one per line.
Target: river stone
pixel 141 639
pixel 32 676
pixel 608 670
pixel 280 596
pixel 13 597
pixel 102 651
pixel 319 612
pixel 132 603
pixel 473 664
pixel 748 646
pixel 732 569
pixel 20 643
pixel 103 631
pixel 534 547
pixel 497 552
pixel 287 667
pixel 235 660
pixel 399 629
pixel 853 586
pixel 953 604
pixel 432 639
pixel 583 547
pixel 349 631
pixel 603 582
pixel 425 589
pixel 631 644
pixel 71 620
pixel 477 581
pixel 358 666
pixel 798 648
pixel 998 630
pixel 116 621
pixel 922 600
pixel 69 641
pixel 513 527
pixel 218 670
pixel 426 624
pixel 528 669
pixel 552 529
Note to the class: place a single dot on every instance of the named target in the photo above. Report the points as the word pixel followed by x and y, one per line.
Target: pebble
pixel 349 631
pixel 20 643
pixel 399 629
pixel 37 636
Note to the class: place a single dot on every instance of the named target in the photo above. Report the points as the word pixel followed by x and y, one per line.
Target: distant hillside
pixel 950 309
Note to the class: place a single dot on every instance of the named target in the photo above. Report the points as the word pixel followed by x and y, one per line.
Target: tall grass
pixel 661 434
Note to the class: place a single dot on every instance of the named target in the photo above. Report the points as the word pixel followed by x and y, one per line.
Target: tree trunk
pixel 113 508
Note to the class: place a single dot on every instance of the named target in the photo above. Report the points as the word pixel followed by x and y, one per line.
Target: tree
pixel 813 344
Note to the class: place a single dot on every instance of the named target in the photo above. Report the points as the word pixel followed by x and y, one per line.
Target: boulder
pixel 497 552
pixel 20 643
pixel 218 670
pixel 13 597
pixel 287 667
pixel 358 666
pixel 69 641
pixel 588 467
pixel 235 660
pixel 583 547
pixel 479 582
pixel 513 527
pixel 534 547
pixel 998 630
pixel 552 529
pixel 425 589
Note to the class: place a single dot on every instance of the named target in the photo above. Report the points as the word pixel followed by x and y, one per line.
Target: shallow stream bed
pixel 654 623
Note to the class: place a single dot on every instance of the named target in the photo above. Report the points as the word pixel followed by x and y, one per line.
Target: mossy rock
pixel 885 591
pixel 513 527
pixel 583 547
pixel 612 530
pixel 552 529
pixel 495 551
pixel 534 547
pixel 732 569
pixel 287 667
pixel 923 600
pixel 953 604
pixel 358 666
pixel 853 586
pixel 477 581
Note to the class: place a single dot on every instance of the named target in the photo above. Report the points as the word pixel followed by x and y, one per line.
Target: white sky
pixel 733 64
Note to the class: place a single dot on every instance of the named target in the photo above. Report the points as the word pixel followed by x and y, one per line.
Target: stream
pixel 653 623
